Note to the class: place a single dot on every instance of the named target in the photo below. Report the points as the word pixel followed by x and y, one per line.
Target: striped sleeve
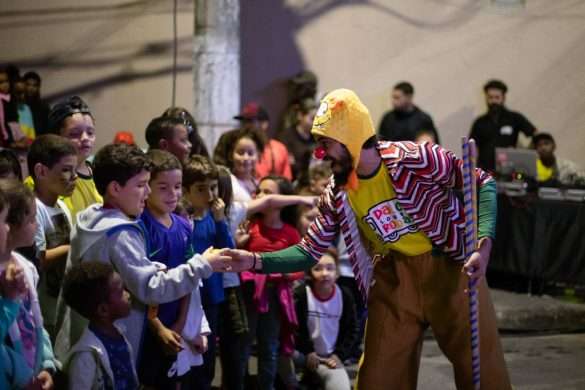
pixel 323 231
pixel 442 166
pixel 452 172
pixel 446 169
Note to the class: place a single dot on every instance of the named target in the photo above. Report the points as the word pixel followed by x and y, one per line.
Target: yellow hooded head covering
pixel 343 117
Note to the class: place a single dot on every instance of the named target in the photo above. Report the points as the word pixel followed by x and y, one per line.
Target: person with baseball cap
pixel 275 157
pixel 299 140
pixel 396 207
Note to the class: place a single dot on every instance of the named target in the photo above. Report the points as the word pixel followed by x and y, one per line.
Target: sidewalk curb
pixel 521 312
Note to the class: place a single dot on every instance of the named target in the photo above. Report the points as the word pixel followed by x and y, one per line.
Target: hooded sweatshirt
pixel 108 235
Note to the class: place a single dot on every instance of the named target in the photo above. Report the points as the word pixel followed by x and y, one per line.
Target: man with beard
pixel 396 207
pixel 406 120
pixel 498 127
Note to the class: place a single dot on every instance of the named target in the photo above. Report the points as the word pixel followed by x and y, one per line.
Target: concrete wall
pixel 117 54
pixel 447 49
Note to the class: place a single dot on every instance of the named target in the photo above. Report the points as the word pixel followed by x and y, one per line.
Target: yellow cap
pixel 343 117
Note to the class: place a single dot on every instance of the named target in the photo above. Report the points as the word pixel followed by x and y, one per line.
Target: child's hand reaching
pixel 218 209
pixel 12 283
pixel 170 340
pixel 43 381
pixel 242 234
pixel 200 343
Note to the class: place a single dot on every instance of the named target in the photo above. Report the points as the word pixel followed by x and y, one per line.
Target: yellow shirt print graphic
pixel 389 221
pixel 383 224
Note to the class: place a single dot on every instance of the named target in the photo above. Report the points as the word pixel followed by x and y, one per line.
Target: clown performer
pixel 397 208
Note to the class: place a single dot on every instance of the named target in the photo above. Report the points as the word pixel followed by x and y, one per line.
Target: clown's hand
pixel 477 263
pixel 242 260
pixel 218 259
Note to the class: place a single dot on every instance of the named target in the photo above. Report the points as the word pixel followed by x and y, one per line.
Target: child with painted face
pixel 26 345
pixel 103 357
pixel 170 339
pixel 327 326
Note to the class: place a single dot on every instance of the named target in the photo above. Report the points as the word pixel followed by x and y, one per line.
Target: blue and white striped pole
pixel 470 209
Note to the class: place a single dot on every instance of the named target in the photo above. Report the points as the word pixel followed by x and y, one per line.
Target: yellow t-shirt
pixel 543 173
pixel 84 195
pixel 383 224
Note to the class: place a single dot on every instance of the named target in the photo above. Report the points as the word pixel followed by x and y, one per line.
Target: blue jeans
pixel 265 327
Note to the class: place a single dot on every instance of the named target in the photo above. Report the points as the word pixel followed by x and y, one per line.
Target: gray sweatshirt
pixel 108 235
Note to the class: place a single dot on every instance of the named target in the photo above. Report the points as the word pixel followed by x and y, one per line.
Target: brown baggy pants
pixel 408 295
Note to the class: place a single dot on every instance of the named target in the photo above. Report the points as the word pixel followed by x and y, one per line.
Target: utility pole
pixel 216 67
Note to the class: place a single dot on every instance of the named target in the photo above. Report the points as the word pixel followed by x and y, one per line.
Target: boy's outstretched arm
pixel 146 281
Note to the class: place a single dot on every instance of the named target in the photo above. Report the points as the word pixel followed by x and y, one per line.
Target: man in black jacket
pixel 498 127
pixel 405 121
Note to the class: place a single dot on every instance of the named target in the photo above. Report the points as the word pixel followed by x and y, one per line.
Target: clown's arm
pixel 320 236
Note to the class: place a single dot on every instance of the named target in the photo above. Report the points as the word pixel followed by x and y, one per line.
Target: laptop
pixel 511 161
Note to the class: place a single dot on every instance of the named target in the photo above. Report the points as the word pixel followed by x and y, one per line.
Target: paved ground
pixel 522 312
pixel 539 355
pixel 543 362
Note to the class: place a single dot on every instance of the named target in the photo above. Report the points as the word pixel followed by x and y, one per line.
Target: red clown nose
pixel 319 153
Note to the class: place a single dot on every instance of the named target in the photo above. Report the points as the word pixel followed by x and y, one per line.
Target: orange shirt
pixel 274 161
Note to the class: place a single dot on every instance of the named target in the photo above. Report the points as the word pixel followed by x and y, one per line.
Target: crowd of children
pixel 113 273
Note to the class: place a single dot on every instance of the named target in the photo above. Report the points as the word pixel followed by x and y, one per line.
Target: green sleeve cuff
pixel 487 210
pixel 291 259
